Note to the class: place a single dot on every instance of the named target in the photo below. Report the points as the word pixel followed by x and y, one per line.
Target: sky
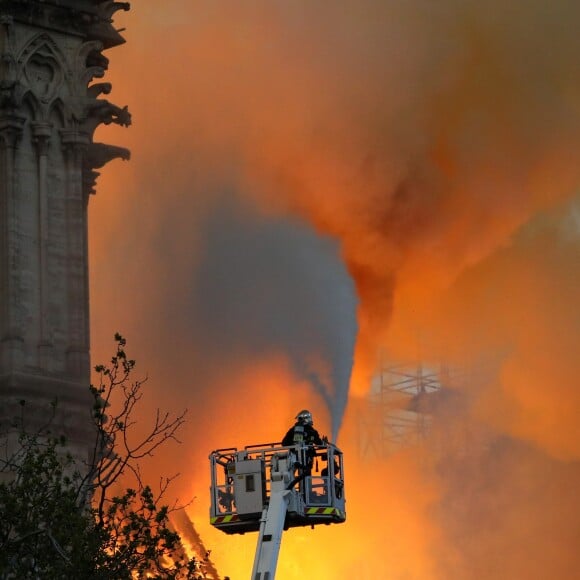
pixel 315 183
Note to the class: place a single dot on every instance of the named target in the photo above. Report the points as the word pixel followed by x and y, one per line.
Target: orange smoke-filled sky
pixel 312 182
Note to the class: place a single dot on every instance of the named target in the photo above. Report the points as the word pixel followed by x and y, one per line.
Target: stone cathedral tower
pixel 51 52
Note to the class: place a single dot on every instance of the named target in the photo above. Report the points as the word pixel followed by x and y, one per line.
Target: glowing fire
pixel 433 142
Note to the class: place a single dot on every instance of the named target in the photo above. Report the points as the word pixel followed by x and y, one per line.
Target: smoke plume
pixel 422 156
pixel 273 286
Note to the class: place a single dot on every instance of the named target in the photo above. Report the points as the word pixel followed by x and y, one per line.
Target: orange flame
pixel 436 142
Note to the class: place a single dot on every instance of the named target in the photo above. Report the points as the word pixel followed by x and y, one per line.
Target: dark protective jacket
pixel 300 433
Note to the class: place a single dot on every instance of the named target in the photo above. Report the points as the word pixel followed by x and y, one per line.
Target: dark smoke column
pixel 51 51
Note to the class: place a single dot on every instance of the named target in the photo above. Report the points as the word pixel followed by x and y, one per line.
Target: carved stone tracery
pixel 40 74
pixel 51 51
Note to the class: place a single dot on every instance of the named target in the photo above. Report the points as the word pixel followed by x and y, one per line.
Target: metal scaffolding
pixel 419 404
pixel 399 409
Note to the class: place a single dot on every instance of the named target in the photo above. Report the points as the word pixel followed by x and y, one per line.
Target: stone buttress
pixel 51 102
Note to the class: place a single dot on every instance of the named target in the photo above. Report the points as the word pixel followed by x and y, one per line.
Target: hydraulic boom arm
pixel 270 538
pixel 273 517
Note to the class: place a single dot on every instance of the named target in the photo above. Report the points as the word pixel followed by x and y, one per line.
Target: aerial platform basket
pixel 243 482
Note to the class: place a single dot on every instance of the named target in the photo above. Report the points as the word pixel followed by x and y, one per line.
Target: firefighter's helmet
pixel 304 417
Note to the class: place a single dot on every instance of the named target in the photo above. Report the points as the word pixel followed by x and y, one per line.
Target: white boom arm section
pixel 272 520
pixel 271 528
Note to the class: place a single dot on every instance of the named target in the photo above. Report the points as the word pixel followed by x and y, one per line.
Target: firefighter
pixel 303 431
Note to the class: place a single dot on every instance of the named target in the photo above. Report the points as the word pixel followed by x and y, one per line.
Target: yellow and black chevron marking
pixel 328 511
pixel 223 519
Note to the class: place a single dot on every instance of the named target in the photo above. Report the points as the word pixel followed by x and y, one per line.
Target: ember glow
pixel 297 164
